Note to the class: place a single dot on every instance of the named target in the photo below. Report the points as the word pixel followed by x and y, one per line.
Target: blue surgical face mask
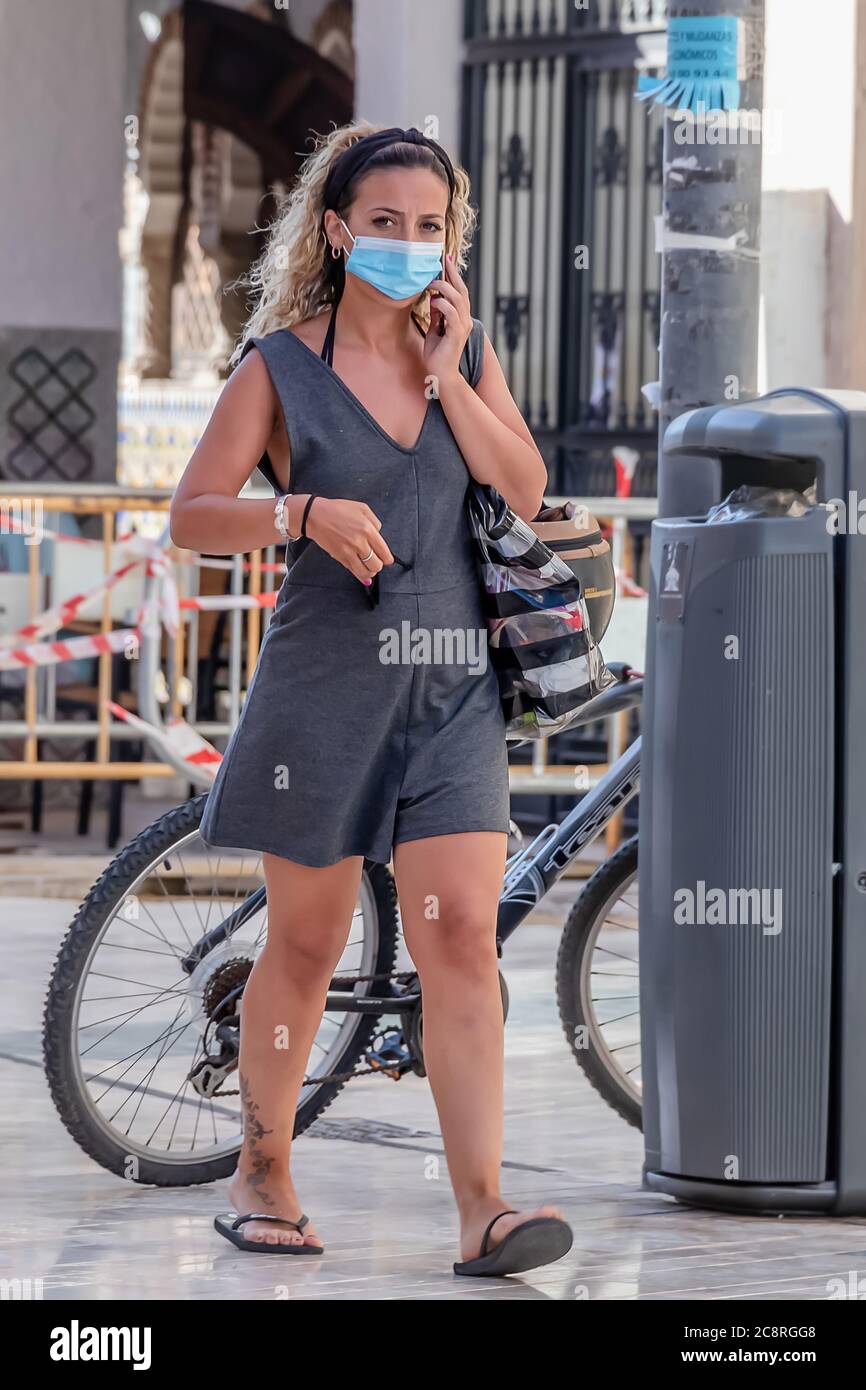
pixel 399 269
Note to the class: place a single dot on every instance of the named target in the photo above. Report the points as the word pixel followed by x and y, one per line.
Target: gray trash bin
pixel 753 817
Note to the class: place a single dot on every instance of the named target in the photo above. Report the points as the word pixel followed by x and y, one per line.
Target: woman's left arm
pixel 491 433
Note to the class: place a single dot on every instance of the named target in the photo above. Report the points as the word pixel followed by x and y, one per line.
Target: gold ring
pixel 365 558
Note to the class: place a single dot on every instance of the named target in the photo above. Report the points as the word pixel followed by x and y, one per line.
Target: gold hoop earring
pixel 335 252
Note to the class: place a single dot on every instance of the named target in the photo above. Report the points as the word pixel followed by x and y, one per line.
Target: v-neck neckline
pixel 359 405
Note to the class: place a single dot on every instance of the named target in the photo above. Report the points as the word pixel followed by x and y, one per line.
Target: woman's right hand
pixel 348 531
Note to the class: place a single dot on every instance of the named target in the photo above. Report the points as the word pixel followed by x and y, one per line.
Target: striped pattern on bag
pixel 540 639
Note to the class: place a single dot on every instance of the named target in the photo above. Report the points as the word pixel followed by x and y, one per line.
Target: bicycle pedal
pixel 393 1072
pixel 390 1054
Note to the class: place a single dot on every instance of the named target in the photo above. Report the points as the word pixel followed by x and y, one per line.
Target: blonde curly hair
pixel 295 278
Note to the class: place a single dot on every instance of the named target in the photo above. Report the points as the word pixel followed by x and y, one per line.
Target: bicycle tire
pixel 574 958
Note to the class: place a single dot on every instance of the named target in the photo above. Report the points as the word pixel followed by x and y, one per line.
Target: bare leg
pixel 459 878
pixel 309 917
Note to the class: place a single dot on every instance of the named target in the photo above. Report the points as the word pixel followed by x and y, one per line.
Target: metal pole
pixel 710 295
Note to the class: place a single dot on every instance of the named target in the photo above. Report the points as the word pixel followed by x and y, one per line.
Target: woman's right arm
pixel 206 512
pixel 208 515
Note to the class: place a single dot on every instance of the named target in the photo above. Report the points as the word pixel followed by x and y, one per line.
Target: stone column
pixel 407 66
pixel 62 71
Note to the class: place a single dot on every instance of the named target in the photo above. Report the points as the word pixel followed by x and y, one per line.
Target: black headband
pixel 350 163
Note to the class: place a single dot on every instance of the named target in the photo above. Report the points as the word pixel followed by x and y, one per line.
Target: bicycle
pixel 157 1115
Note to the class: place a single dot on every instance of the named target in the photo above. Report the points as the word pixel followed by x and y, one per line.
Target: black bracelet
pixel 310 500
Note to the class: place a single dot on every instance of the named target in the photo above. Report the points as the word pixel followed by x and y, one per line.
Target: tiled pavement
pixel 368 1174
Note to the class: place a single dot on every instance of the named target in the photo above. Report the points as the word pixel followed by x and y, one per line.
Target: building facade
pixel 150 138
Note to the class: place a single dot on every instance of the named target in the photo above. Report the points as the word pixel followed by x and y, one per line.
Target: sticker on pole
pixel 706 61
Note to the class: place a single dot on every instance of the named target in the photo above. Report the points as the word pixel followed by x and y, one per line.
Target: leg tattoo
pixel 254 1133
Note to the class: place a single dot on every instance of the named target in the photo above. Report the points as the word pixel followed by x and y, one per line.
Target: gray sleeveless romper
pixel 347 743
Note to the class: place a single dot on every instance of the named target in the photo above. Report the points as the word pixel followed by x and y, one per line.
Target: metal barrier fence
pixel 79 564
pixel 129 540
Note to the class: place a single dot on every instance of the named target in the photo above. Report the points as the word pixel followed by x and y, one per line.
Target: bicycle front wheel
pixel 597 982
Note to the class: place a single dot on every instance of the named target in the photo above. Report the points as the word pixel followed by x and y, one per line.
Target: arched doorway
pixel 228 101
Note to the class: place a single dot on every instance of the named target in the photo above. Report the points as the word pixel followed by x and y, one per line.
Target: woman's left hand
pixel 449 305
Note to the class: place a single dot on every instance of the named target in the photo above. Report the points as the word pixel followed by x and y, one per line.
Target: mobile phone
pixel 441 328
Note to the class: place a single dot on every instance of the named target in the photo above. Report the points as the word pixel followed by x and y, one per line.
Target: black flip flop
pixel 229 1226
pixel 537 1242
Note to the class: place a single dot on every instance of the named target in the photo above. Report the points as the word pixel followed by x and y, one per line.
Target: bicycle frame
pixel 529 874
pixel 532 872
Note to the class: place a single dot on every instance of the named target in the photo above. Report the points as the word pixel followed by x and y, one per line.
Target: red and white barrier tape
pixel 140 545
pixel 73 649
pixel 64 613
pixel 163 606
pixel 162 609
pixel 215 603
pixel 178 737
pixel 130 538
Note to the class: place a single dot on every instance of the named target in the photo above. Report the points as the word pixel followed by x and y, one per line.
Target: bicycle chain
pixel 403 977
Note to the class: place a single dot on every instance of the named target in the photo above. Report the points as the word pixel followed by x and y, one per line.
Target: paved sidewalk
pixel 373 1175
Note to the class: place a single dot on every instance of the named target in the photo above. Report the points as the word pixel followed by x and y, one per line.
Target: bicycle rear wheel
pixel 128 1031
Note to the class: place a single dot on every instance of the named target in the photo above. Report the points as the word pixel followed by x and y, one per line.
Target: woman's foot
pixel 275 1197
pixel 476 1218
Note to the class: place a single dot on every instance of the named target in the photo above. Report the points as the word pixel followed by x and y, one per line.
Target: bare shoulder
pixel 250 379
pixel 248 396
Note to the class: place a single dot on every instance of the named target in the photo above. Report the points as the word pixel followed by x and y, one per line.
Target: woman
pixel 341 752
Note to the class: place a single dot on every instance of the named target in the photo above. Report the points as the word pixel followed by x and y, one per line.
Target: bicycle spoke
pixel 619 955
pixel 609 1022
pixel 142 950
pixel 122 979
pixel 109 998
pixel 149 1074
pixel 155 936
pixel 170 900
pixel 177 1097
pixel 130 1013
pixel 132 1059
pixel 195 1129
pixel 622 1046
pixel 181 1088
pixel 190 895
pixel 107 1035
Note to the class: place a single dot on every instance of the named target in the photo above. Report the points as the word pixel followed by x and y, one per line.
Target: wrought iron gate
pixel 567 170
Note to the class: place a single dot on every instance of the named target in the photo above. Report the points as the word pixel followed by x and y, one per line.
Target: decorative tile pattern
pixel 58 404
pixel 51 416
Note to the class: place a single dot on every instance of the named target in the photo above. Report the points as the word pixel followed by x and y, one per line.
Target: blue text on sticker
pixel 704 65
